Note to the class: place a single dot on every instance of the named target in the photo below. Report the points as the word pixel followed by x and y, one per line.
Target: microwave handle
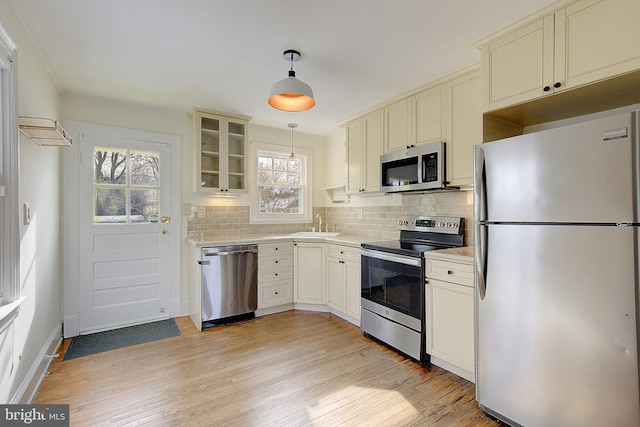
pixel 423 168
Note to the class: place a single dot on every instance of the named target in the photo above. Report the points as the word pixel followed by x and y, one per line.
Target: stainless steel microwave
pixel 414 169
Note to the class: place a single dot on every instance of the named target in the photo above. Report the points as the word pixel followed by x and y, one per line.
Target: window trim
pixel 307 204
pixel 9 173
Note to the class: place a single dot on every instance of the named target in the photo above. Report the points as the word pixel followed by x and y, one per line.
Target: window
pixel 9 189
pixel 281 184
pixel 126 186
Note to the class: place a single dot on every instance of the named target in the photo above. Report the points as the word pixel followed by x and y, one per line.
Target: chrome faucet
pixel 319 218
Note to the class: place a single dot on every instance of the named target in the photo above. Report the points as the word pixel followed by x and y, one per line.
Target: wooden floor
pixel 289 369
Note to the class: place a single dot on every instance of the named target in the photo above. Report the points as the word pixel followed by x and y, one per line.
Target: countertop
pixel 342 239
pixel 462 255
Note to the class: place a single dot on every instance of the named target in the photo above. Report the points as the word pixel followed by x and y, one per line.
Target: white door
pixel 123 231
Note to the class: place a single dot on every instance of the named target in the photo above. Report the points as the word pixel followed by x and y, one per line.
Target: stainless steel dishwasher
pixel 229 283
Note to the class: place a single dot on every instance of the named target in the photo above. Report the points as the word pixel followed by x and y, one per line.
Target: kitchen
pixel 38 96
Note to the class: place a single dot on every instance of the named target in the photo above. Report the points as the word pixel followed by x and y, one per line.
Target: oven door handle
pixel 401 259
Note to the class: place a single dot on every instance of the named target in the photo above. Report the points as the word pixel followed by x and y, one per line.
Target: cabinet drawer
pixel 278 261
pixel 276 293
pixel 274 274
pixel 345 253
pixel 461 274
pixel 271 249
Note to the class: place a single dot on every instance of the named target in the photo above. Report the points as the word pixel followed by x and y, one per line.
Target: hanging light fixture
pixel 291 94
pixel 292 126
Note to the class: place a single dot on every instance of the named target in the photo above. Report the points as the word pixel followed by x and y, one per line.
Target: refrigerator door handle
pixel 480 251
pixel 479 185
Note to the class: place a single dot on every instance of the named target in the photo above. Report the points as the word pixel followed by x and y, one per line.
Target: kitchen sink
pixel 315 234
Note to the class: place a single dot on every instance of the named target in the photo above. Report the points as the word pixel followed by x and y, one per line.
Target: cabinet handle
pixel 276 292
pixel 546 88
pixel 449 272
pixel 276 249
pixel 557 85
pixel 276 274
pixel 276 262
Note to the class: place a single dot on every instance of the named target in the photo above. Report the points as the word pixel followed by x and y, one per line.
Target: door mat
pixel 84 345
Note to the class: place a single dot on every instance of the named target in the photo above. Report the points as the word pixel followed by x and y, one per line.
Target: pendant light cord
pixel 292 126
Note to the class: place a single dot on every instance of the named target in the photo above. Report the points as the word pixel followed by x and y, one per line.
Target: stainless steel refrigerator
pixel 556 246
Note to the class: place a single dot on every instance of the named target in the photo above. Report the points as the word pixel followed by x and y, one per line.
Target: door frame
pixel 70 211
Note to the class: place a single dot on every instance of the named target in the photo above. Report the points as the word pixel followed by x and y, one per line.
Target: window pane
pixel 265 177
pixel 264 162
pixel 279 164
pixel 294 165
pixel 110 166
pixel 294 179
pixel 279 177
pixel 143 204
pixel 110 206
pixel 279 200
pixel 145 168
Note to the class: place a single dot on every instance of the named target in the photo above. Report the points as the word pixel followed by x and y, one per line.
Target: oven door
pixel 393 281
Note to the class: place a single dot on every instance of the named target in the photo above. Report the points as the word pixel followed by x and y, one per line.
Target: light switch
pixel 27 214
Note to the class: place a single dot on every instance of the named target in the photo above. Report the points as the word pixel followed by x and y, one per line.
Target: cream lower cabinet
pixel 308 285
pixel 342 277
pixel 581 43
pixel 450 316
pixel 275 274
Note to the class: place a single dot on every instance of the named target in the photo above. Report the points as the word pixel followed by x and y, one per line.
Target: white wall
pixel 38 325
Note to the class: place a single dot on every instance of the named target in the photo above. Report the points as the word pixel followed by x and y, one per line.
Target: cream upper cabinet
pixel 220 153
pixel 581 43
pixel 429 115
pixel 417 119
pixel 364 147
pixel 465 106
pixel 397 125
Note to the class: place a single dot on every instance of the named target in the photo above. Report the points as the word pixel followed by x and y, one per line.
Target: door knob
pixel 165 219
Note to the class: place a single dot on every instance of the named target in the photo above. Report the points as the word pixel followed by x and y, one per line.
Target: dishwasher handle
pixel 244 251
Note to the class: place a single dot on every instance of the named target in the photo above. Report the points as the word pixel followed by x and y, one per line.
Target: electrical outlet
pixel 27 214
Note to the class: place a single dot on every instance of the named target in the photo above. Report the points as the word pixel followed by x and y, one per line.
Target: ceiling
pixel 225 54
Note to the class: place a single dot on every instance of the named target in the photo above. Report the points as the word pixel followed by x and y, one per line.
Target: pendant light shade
pixel 291 94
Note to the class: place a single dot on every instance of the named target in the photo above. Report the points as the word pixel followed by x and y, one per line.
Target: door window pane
pixel 126 186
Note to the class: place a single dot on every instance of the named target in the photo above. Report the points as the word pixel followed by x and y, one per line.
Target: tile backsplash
pixel 377 223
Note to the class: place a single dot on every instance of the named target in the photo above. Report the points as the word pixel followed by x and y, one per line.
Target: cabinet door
pixel 519 65
pixel 354 156
pixel 352 289
pixel 597 39
pixel 429 115
pixel 372 147
pixel 397 121
pixel 207 151
pixel 236 156
pixel 451 323
pixel 466 127
pixel 334 282
pixel 308 273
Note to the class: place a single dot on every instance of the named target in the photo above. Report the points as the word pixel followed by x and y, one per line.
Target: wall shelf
pixel 44 131
pixel 337 194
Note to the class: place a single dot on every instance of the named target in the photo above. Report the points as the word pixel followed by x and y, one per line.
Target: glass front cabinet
pixel 220 153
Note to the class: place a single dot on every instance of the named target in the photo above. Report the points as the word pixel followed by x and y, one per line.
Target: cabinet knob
pixel 449 272
pixel 557 85
pixel 276 292
pixel 546 88
pixel 276 262
pixel 276 274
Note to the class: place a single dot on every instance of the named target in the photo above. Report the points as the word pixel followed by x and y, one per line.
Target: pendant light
pixel 291 94
pixel 292 126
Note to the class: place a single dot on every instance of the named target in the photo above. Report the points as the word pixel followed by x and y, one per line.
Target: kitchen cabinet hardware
pixel 546 88
pixel 449 272
pixel 557 85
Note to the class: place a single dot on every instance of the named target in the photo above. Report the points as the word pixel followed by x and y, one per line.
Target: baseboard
pixel 29 386
pixel 272 310
pixel 469 376
pixel 346 317
pixel 71 326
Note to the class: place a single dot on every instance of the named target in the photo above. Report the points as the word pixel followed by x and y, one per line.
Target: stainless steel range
pixel 393 281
